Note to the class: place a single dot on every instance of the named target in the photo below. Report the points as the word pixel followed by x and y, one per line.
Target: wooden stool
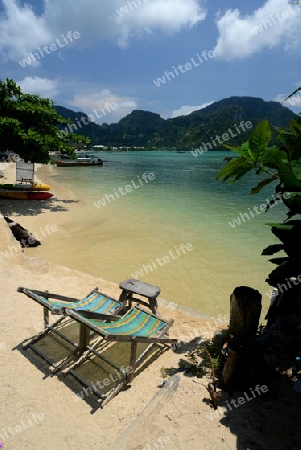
pixel 132 286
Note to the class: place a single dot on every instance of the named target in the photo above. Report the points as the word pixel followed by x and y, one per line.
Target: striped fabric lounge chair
pixel 95 302
pixel 136 326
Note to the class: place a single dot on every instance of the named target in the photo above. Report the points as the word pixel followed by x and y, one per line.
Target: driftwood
pixel 22 235
pixel 245 309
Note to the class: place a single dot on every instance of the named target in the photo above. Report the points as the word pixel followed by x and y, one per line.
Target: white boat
pixel 80 161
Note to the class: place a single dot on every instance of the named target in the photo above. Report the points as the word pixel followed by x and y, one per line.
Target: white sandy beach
pixel 39 412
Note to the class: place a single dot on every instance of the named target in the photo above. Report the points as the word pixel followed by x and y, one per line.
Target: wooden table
pixel 132 286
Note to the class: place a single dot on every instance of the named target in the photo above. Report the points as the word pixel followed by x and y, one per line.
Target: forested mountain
pixel 147 129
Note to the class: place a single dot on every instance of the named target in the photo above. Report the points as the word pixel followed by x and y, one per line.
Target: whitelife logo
pixel 129 6
pixel 108 198
pixel 239 401
pixel 221 139
pixel 183 68
pixel 22 426
pixel 266 24
pixel 263 208
pixel 48 49
pixel 86 120
pixel 162 261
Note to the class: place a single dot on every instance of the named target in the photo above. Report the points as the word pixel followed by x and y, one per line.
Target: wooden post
pixel 245 309
pixel 84 337
pixel 46 317
pixel 133 358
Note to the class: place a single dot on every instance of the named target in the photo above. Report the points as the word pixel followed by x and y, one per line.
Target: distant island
pixel 144 129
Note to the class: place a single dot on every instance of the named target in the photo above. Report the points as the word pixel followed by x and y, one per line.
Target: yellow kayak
pixel 26 187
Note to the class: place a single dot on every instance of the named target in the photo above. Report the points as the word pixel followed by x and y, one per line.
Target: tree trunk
pixel 245 309
pixel 245 366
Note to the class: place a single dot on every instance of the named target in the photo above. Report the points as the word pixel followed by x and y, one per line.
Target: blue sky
pixel 112 56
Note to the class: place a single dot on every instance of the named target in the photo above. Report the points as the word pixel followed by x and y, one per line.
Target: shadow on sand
pixel 10 207
pixel 93 370
pixel 260 420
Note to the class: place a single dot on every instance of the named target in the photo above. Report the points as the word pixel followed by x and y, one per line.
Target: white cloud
pixel 280 98
pixel 292 102
pixel 276 23
pixel 166 15
pixel 42 86
pixel 104 103
pixel 185 110
pixel 21 31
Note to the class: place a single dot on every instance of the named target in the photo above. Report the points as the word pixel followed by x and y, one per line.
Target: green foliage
pixel 290 266
pixel 168 372
pixel 207 356
pixel 147 129
pixel 29 125
pixel 235 169
pixel 281 164
pixel 259 141
pixel 254 154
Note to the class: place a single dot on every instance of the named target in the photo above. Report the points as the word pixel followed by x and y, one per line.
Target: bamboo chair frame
pixel 84 319
pixel 44 298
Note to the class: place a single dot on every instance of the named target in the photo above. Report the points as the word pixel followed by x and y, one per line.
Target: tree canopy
pixel 29 125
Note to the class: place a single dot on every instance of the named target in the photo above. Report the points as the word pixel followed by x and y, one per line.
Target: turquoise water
pixel 181 203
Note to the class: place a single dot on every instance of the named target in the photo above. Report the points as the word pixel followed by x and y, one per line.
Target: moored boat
pixel 26 186
pixel 25 195
pixel 80 161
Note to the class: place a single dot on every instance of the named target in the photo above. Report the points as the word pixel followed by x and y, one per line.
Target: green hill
pixel 147 129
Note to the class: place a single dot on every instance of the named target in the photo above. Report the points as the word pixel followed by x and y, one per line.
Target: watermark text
pixel 183 68
pixel 220 140
pixel 122 191
pixel 160 262
pixel 48 49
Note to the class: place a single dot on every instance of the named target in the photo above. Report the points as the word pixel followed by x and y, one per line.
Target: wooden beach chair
pixel 106 307
pixel 136 326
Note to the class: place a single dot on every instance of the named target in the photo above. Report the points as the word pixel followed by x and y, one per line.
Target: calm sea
pixel 172 231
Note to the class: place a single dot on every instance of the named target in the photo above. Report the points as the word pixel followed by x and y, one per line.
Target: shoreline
pixel 48 179
pixel 44 218
pixel 119 242
pixel 43 395
pixel 137 418
pixel 61 212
